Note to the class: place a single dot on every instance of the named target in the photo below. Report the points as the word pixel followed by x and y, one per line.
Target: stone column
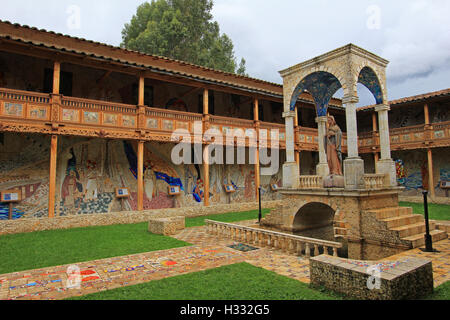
pixel 385 165
pixel 322 169
pixel 291 174
pixel 353 165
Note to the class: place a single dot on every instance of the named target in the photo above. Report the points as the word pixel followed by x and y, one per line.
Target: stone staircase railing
pixel 374 181
pixel 266 238
pixel 311 182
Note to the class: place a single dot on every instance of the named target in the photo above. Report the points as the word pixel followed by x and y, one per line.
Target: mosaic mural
pixel 370 80
pixel 413 174
pixel 322 86
pixel 89 171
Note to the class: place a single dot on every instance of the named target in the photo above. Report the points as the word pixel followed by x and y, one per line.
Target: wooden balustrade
pixel 232 122
pixel 311 182
pixel 24 96
pixel 95 105
pixel 105 115
pixel 288 243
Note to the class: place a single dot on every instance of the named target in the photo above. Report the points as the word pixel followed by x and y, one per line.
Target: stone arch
pixel 322 85
pixel 369 77
pixel 316 220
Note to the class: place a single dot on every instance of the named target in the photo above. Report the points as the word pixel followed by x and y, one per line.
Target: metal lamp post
pixel 428 239
pixel 260 210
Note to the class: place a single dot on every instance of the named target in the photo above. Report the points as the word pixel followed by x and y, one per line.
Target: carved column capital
pixel 350 100
pixel 289 114
pixel 382 107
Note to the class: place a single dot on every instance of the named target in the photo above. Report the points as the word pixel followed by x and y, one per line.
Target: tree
pixel 182 30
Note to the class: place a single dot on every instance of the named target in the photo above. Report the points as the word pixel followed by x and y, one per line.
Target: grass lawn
pixel 35 250
pixel 441 293
pixel 234 282
pixel 226 217
pixel 57 247
pixel 435 211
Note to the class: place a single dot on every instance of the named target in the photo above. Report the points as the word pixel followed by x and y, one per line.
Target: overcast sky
pixel 414 35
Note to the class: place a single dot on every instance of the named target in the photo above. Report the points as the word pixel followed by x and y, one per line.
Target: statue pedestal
pixel 354 173
pixel 291 175
pixel 334 181
pixel 387 166
pixel 322 170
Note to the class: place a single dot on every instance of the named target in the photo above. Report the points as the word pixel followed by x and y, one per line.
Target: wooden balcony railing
pixel 409 138
pixel 33 112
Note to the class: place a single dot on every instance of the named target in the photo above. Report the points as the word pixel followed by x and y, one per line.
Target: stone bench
pixel 166 226
pixel 411 278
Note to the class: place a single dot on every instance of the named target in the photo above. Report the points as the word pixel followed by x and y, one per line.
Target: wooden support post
pixel 426 114
pixel 430 174
pixel 141 91
pixel 52 176
pixel 141 107
pixel 140 176
pixel 376 157
pixel 257 167
pixel 206 175
pixel 374 122
pixel 205 148
pixel 56 77
pixel 205 102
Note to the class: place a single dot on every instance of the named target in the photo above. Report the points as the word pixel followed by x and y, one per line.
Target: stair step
pixel 339 224
pixel 392 212
pixel 340 231
pixel 412 229
pixel 444 226
pixel 418 240
pixel 403 220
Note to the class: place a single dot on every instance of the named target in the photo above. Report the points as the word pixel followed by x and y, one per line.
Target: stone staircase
pixel 340 231
pixel 405 226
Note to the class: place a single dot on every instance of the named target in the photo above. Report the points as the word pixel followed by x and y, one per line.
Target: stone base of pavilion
pixel 369 223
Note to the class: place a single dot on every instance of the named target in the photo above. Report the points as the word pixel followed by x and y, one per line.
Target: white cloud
pixel 420 41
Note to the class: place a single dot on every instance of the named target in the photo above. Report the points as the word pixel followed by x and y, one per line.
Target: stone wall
pixel 398 280
pixel 126 217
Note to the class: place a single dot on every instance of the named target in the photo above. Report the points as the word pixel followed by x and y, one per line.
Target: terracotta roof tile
pixel 420 97
pixel 178 67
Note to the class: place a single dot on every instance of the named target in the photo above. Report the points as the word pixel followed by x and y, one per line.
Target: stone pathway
pixel 207 252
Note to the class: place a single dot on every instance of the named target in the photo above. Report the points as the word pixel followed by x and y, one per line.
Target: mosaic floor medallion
pixel 242 247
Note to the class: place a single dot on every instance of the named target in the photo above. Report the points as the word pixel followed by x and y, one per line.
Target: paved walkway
pixel 207 252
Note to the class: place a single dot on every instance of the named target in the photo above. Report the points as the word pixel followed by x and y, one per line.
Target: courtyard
pixel 187 266
pixel 153 163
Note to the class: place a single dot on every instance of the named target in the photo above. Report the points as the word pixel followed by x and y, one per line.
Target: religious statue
pixel 333 147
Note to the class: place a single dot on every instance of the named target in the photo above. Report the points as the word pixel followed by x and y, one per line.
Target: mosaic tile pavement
pixel 207 252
